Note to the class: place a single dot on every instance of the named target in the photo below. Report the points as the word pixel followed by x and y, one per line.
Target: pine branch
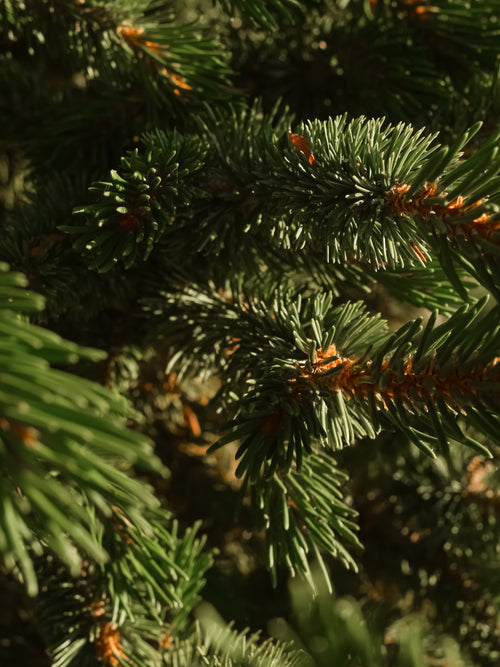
pixel 146 192
pixel 302 373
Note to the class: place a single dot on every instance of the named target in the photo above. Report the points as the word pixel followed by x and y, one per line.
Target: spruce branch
pixel 215 644
pixel 129 609
pixel 302 372
pixel 347 191
pixel 105 39
pixel 141 202
pixel 337 208
pixel 304 517
pixel 64 444
pixel 264 12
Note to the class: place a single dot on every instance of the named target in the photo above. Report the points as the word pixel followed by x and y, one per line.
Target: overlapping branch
pixel 346 191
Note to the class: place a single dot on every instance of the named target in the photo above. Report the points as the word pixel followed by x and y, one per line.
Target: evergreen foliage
pixel 249 333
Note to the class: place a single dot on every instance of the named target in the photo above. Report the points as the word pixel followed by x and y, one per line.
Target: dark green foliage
pixel 137 616
pixel 432 524
pixel 331 632
pixel 424 62
pixel 55 421
pixel 346 191
pixel 142 200
pixel 263 240
pixel 267 14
